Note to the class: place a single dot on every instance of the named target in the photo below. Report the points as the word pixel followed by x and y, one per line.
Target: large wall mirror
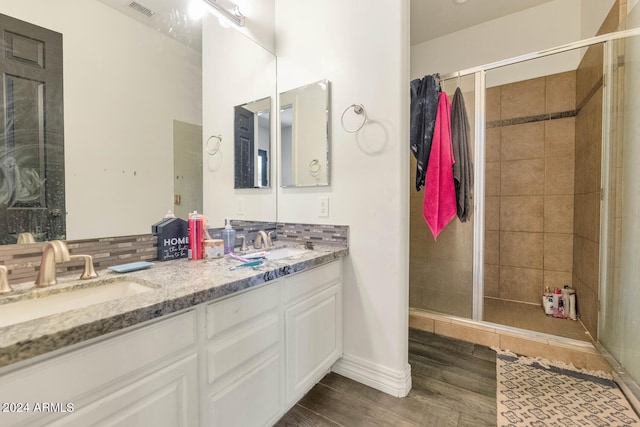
pixel 132 85
pixel 304 135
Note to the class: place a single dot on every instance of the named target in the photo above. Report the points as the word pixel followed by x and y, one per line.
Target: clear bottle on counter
pixel 229 237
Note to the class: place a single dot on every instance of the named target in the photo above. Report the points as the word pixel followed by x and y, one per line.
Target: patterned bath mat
pixel 531 393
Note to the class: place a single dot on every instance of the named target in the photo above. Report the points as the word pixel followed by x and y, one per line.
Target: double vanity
pixel 181 343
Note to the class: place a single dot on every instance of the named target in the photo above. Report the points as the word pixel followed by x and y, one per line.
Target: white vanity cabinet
pixel 313 327
pixel 244 358
pixel 267 347
pixel 146 376
pixel 241 361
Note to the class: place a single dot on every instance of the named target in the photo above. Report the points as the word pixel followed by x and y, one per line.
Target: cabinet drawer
pixel 236 351
pixel 308 282
pixel 238 309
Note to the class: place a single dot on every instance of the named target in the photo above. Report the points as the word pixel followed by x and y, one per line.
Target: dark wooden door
pixel 31 132
pixel 244 146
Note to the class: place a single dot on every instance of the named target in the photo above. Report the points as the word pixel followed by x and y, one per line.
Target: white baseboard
pixel 395 383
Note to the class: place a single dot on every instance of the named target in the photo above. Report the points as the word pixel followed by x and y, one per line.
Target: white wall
pixel 124 85
pixel 548 25
pixel 235 71
pixel 259 22
pixel 362 48
pixel 592 14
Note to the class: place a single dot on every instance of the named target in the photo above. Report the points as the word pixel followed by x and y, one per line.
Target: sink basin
pixel 281 253
pixel 29 309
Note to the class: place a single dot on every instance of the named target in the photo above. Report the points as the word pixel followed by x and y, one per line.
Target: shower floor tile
pixel 533 318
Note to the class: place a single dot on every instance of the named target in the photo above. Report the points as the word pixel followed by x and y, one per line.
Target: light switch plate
pixel 323 207
pixel 240 211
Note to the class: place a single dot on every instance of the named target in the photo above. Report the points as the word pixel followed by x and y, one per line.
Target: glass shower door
pixel 619 320
pixel 441 272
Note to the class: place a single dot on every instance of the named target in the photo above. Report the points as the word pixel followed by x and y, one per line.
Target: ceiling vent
pixel 143 10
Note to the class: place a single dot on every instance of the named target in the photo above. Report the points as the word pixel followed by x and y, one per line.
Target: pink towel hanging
pixel 439 205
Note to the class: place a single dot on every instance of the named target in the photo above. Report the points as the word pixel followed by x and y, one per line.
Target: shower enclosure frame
pixel 480 151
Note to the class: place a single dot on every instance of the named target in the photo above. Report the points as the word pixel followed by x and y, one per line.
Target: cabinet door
pixel 168 397
pixel 313 340
pixel 254 400
pixel 88 374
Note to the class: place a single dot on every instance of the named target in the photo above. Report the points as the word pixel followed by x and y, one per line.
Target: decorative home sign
pixel 173 240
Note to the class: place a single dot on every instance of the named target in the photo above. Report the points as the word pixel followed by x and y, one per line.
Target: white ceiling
pixel 429 18
pixel 435 18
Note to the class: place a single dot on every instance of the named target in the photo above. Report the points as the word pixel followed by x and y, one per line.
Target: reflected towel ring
pixel 358 109
pixel 314 167
pixel 216 148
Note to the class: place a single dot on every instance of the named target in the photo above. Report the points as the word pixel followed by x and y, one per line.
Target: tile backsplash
pixel 317 233
pixel 23 261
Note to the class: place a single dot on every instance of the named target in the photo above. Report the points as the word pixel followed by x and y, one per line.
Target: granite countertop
pixel 176 285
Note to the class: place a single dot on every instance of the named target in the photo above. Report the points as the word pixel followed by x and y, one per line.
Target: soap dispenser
pixel 229 237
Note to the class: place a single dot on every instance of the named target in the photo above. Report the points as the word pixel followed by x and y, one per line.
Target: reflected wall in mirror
pixel 252 144
pixel 304 135
pixel 236 72
pixel 123 91
pixel 187 168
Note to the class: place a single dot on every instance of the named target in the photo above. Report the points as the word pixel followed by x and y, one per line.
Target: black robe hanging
pixel 424 105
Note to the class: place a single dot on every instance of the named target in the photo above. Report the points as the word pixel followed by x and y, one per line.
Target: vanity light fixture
pixel 231 12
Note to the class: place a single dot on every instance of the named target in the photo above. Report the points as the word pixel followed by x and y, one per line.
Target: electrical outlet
pixel 323 207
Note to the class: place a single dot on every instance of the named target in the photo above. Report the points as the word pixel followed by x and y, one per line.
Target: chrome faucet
pixel 262 241
pixel 54 252
pixel 5 288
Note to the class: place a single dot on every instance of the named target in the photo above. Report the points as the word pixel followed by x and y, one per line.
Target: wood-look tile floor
pixel 454 384
pixel 532 318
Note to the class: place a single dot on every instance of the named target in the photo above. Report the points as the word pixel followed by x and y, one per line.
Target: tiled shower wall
pixel 587 186
pixel 529 188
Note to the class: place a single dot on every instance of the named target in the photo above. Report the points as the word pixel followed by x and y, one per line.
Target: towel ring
pixel 314 167
pixel 358 109
pixel 215 149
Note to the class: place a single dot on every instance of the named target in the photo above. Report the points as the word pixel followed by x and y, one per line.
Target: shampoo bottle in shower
pixel 558 306
pixel 229 237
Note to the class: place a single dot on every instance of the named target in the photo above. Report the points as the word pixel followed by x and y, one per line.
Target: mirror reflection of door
pixel 187 168
pixel 252 144
pixel 244 148
pixel 31 132
pixel 263 168
pixel 286 145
